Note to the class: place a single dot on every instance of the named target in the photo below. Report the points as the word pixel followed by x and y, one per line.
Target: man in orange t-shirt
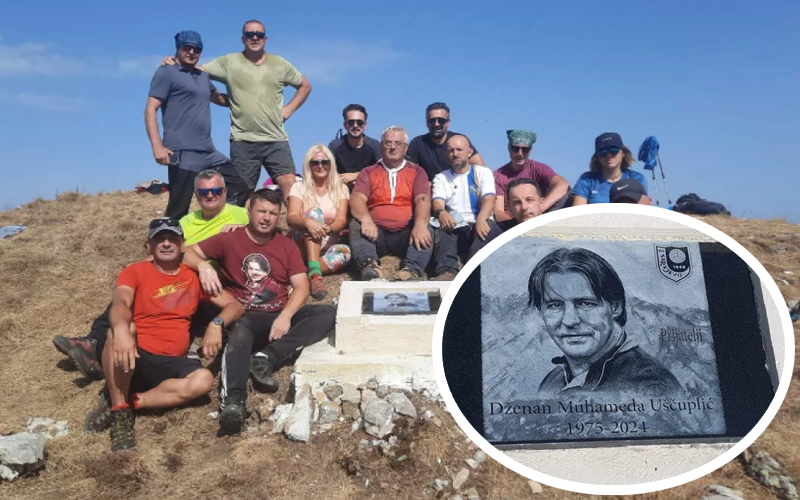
pixel 152 370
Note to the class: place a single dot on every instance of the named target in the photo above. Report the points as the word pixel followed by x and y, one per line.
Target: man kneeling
pixel 152 371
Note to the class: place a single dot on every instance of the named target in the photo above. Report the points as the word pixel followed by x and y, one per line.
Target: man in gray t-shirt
pixel 183 94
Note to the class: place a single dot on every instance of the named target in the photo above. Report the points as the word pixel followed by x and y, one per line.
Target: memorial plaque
pixel 598 341
pixel 401 302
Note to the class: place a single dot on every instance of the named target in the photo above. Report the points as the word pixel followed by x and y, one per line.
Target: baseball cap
pixel 164 224
pixel 627 189
pixel 608 140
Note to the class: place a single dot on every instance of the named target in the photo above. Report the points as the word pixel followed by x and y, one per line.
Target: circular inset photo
pixel 613 349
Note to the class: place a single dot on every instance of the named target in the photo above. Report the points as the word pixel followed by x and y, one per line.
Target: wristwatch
pixel 219 322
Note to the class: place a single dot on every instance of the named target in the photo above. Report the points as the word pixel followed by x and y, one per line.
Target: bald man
pixel 463 199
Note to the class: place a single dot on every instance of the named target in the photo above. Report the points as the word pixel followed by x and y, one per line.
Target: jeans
pixel 397 243
pixel 448 247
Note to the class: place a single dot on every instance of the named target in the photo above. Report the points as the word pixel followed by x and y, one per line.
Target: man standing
pixel 555 188
pixel 429 151
pixel 524 202
pixel 463 199
pixel 391 209
pixel 183 93
pixel 152 371
pixel 257 266
pixel 255 82
pixel 355 150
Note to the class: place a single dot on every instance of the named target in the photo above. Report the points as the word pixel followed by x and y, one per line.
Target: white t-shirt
pixel 463 193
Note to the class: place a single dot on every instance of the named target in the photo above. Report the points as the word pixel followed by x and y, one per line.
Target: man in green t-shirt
pixel 255 82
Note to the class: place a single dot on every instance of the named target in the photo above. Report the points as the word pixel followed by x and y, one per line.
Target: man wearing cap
pixel 630 191
pixel 524 203
pixel 183 93
pixel 429 151
pixel 151 370
pixel 556 188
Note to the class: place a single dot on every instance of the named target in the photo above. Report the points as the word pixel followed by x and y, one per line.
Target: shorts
pixel 248 157
pixel 196 161
pixel 152 369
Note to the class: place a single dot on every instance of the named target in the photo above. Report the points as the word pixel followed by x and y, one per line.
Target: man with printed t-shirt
pixel 257 265
pixel 151 370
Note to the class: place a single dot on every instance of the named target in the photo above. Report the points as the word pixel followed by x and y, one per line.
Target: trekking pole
pixel 663 178
pixel 655 185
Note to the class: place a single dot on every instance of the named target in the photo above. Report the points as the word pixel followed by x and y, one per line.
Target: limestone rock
pixel 265 409
pixel 366 396
pixel 440 484
pixel 298 425
pixel 334 392
pixel 21 453
pixel 350 394
pixel 460 478
pixel 719 492
pixel 534 486
pixel 472 494
pixel 328 412
pixel 280 417
pixel 473 464
pixel 47 426
pixel 762 467
pixel 480 456
pixel 401 404
pixel 378 416
pixel 350 410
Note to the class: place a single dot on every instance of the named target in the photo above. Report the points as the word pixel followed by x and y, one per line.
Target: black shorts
pixel 248 157
pixel 152 369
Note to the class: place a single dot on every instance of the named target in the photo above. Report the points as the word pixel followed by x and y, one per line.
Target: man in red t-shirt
pixel 391 207
pixel 257 266
pixel 152 370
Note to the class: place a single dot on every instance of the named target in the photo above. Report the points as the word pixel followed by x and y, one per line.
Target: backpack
pixel 693 204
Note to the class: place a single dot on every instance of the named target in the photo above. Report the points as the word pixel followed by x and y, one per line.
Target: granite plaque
pixel 595 341
pixel 402 302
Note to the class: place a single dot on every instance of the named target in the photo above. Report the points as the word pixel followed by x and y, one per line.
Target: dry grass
pixel 58 275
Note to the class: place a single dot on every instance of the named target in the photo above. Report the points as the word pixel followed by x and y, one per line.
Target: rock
pixel 460 478
pixel 334 392
pixel 436 421
pixel 350 410
pixel 356 425
pixel 473 464
pixel 762 467
pixel 480 456
pixel 457 497
pixel 364 445
pixel 386 448
pixel 298 425
pixel 265 409
pixel 366 396
pixel 47 426
pixel 401 404
pixel 350 394
pixel 534 486
pixel 472 494
pixel 280 417
pixel 213 415
pixel 328 412
pixel 440 484
pixel 320 397
pixel 719 492
pixel 378 416
pixel 21 453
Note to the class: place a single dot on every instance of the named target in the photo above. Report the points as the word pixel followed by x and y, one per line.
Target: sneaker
pixel 99 419
pixel 123 436
pixel 64 344
pixel 261 370
pixel 318 291
pixel 448 276
pixel 233 417
pixel 84 355
pixel 407 274
pixel 370 271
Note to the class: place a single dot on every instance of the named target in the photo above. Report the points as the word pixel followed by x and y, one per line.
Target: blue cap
pixel 188 38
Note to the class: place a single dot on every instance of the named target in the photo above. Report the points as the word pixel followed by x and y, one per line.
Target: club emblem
pixel 673 262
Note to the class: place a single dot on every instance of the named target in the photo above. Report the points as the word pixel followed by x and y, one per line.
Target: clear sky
pixel 716 81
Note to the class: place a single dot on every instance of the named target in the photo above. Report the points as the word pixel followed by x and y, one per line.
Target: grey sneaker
pixel 123 436
pixel 99 419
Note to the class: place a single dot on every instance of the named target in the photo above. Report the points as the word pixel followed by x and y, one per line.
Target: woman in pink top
pixel 317 213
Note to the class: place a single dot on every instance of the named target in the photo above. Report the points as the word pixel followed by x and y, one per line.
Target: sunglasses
pixel 190 48
pixel 317 163
pixel 214 191
pixel 608 151
pixel 437 121
pixel 517 149
pixel 257 34
pixel 355 123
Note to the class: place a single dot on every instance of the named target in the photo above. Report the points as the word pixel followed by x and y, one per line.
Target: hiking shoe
pixel 123 436
pixel 64 344
pixel 261 370
pixel 370 271
pixel 233 417
pixel 448 276
pixel 407 274
pixel 85 358
pixel 99 419
pixel 318 291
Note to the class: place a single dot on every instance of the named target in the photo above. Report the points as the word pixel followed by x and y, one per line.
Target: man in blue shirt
pixel 183 94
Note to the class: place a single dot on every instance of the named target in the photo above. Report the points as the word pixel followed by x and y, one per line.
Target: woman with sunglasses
pixel 611 162
pixel 317 212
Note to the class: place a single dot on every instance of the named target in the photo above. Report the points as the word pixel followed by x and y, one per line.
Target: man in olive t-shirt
pixel 255 82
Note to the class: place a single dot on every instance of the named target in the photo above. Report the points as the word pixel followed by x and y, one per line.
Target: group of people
pixel 226 273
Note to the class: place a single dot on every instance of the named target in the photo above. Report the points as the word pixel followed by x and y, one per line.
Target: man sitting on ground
pixel 391 209
pixel 629 191
pixel 152 371
pixel 524 202
pixel 463 199
pixel 257 265
pixel 356 150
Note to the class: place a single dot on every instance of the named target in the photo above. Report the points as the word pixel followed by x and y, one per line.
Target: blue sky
pixel 716 81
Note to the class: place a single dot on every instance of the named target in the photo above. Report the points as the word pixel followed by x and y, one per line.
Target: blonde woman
pixel 611 162
pixel 317 213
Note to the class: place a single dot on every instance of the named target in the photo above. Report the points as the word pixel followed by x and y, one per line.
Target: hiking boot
pixel 85 358
pixel 233 417
pixel 407 274
pixel 99 419
pixel 123 436
pixel 448 276
pixel 64 344
pixel 318 291
pixel 370 271
pixel 261 370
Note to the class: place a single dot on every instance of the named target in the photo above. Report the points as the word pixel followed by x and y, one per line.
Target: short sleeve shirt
pixel 539 172
pixel 391 207
pixel 256 94
pixel 595 189
pixel 430 156
pixel 463 193
pixel 185 108
pixel 163 306
pixel 353 160
pixel 325 202
pixel 196 228
pixel 257 275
